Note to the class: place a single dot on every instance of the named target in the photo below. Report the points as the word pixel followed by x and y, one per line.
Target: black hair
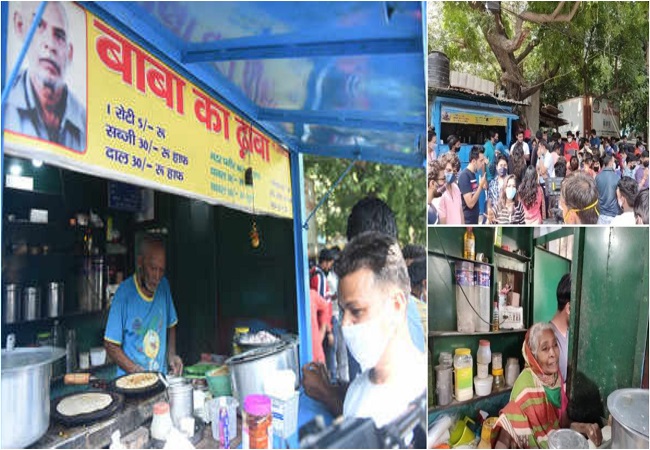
pixel 417 274
pixel 451 141
pixel 528 187
pixel 413 251
pixel 644 154
pixel 593 131
pixel 379 253
pixel 574 163
pixel 579 191
pixel 325 255
pixel 517 164
pixel 492 133
pixel 606 160
pixel 563 292
pixel 371 214
pixel 560 168
pixel 431 134
pixel 520 131
pixel 543 143
pixel 629 189
pixel 539 135
pixel 500 158
pixel 641 206
pixel 474 152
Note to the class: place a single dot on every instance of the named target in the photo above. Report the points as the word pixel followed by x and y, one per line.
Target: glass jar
pixel 499 382
pixel 512 371
pixel 256 422
pixel 464 374
pixel 161 424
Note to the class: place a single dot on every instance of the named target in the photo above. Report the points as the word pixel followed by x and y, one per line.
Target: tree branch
pixel 554 17
pixel 530 90
pixel 527 50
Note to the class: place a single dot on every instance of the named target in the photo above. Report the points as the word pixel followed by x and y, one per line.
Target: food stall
pixel 191 120
pixel 607 345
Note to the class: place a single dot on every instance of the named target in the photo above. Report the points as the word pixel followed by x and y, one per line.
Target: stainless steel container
pixel 629 410
pixel 90 284
pixel 249 369
pixel 55 298
pixel 11 308
pixel 31 303
pixel 25 405
pixel 565 438
pixel 181 401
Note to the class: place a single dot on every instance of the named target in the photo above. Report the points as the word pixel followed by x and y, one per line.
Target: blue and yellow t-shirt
pixel 139 324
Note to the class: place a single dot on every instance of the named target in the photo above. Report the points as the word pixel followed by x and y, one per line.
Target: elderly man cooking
pixel 141 329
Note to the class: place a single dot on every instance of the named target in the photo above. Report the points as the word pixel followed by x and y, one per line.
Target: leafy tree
pixel 402 188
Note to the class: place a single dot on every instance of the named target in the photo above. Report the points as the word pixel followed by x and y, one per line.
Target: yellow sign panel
pixel 148 125
pixel 473 119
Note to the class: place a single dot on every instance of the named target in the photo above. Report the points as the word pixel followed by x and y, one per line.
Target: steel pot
pixel 55 298
pixel 249 369
pixel 31 303
pixel 629 410
pixel 11 310
pixel 181 401
pixel 25 412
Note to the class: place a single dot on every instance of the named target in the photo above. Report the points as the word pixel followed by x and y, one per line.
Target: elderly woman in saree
pixel 538 402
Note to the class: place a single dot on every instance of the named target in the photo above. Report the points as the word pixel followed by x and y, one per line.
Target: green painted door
pixel 548 269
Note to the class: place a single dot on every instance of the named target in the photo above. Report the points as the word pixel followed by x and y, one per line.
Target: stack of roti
pixel 84 403
pixel 137 381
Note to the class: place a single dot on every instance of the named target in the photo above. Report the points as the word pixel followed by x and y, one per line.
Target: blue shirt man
pixel 606 182
pixel 39 103
pixel 141 328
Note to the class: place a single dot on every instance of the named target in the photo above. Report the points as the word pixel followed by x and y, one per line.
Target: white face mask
pixel 366 341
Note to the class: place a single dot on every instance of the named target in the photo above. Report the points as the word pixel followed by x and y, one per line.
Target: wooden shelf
pixel 51 319
pixel 510 254
pixel 477 333
pixel 458 258
pixel 474 399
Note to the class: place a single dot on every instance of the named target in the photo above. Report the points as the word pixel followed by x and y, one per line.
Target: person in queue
pixel 538 402
pixel 641 174
pixel 560 322
pixel 517 164
pixel 450 206
pixel 470 187
pixel 417 271
pixel 435 189
pixel 432 144
pixel 524 146
pixel 630 166
pixel 368 214
pixel 454 143
pixel 413 252
pixel 497 184
pixel 626 192
pixel 508 209
pixel 490 153
pixel 606 183
pixel 321 316
pixel 579 199
pixel 40 103
pixel 140 332
pixel 373 294
pixel 531 195
pixel 641 208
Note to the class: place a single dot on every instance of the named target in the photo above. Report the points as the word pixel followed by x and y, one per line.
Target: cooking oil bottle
pixel 469 244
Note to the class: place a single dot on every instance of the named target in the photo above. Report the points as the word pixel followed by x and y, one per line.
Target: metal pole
pixel 330 190
pixel 23 51
pixel 300 258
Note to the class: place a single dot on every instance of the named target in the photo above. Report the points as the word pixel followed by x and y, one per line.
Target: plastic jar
pixel 497 361
pixel 512 371
pixel 483 358
pixel 464 374
pixel 499 381
pixel 443 384
pixel 161 424
pixel 256 422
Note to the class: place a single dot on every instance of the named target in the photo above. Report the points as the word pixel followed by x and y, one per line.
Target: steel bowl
pixel 629 410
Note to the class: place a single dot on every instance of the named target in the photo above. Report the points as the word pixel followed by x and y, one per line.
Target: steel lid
pixel 630 408
pixel 565 438
pixel 25 358
pixel 257 353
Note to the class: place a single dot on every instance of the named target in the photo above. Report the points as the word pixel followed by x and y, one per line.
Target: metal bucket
pixel 629 410
pixel 26 374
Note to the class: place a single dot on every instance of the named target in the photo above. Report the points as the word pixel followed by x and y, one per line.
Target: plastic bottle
pixel 495 317
pixel 499 381
pixel 256 422
pixel 512 371
pixel 483 358
pixel 469 245
pixel 161 424
pixel 464 374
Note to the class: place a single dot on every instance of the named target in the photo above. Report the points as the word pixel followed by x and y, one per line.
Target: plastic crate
pixel 285 415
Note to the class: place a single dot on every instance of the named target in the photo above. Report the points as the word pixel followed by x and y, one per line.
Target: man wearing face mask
pixel 571 147
pixel 141 328
pixel 373 292
pixel 626 192
pixel 490 154
pixel 471 185
pixel 606 182
pixel 579 200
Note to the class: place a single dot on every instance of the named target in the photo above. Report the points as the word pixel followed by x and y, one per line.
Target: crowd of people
pixel 540 179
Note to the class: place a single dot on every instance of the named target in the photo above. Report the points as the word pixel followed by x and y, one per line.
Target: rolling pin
pixel 78 378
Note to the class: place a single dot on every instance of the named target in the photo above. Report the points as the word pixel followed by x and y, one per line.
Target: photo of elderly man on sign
pixel 47 99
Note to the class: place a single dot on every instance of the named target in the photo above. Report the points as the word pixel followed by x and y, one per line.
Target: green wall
pixel 548 271
pixel 609 319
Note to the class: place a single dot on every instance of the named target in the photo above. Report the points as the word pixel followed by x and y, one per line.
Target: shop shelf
pixel 458 258
pixel 476 398
pixel 510 254
pixel 478 333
